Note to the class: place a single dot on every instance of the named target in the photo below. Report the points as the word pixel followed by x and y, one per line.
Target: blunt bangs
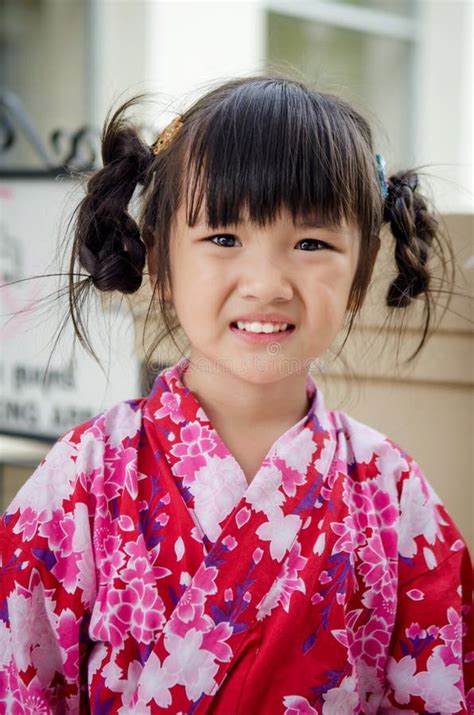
pixel 269 145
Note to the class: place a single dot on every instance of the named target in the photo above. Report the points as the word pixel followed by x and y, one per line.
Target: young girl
pixel 228 544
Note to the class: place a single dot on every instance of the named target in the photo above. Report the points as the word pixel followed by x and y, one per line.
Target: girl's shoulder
pixel 382 478
pixel 112 424
pixel 363 444
pixel 78 456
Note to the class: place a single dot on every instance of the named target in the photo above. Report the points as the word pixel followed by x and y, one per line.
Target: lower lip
pixel 264 338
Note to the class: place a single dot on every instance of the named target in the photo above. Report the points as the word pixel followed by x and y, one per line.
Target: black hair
pixel 259 144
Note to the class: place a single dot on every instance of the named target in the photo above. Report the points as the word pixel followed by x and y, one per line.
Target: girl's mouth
pixel 265 338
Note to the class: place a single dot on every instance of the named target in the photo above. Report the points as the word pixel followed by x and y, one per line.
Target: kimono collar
pixel 170 396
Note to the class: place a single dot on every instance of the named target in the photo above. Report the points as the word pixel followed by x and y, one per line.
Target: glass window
pixel 406 8
pixel 43 69
pixel 372 72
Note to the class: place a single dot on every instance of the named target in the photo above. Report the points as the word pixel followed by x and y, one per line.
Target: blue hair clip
pixel 381 174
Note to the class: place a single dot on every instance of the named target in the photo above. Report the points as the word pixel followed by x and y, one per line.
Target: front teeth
pixel 262 327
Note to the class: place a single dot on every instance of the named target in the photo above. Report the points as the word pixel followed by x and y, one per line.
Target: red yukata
pixel 141 573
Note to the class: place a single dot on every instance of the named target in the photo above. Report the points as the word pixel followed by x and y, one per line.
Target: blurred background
pixel 406 64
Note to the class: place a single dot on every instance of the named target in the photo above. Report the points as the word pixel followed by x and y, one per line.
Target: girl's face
pixel 301 273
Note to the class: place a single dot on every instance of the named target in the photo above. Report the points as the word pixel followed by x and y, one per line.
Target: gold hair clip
pixel 167 134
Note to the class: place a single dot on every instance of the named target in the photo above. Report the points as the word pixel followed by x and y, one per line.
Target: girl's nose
pixel 265 280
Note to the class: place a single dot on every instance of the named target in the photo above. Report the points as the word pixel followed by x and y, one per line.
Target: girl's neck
pixel 236 402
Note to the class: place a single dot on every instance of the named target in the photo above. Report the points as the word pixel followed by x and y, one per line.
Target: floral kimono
pixel 142 573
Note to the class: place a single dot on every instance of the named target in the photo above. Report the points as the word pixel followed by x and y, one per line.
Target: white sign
pixel 34 401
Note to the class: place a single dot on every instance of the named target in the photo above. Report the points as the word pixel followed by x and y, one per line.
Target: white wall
pixel 194 43
pixel 175 48
pixel 444 91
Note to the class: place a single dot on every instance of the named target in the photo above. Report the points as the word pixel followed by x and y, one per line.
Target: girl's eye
pixel 311 242
pixel 222 239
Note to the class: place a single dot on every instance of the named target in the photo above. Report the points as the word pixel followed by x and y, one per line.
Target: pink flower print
pixel 50 485
pixel 387 512
pixel 417 517
pixel 290 478
pixel 295 562
pixel 32 698
pixel 189 664
pixel 128 468
pixel 67 630
pixel 414 631
pixel 452 633
pixel 296 451
pixel 154 683
pixel 171 405
pixel 214 641
pixel 28 523
pixel 230 542
pixel 400 676
pixel 384 602
pixel 457 545
pixel 319 544
pixel 110 558
pixel 9 694
pixel 349 538
pixel 139 569
pixel 147 610
pixel 218 487
pixel 126 523
pixel 290 581
pixel 257 555
pixel 67 570
pixel 195 440
pixel 136 549
pixel 242 516
pixel 137 609
pixel 121 473
pixel 371 641
pixel 280 531
pixel 264 493
pixel 297 705
pixel 205 578
pixel 191 599
pixel 59 531
pixel 341 700
pixel 358 500
pixel 437 686
pixel 32 637
pixel 120 422
pixel 375 566
pixel 415 594
pixel 105 625
pixel 103 527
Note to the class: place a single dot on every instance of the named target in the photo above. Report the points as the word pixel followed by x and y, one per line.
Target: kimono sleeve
pixel 47 585
pixel 430 667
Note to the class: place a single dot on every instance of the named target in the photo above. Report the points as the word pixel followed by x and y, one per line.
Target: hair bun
pixel 115 256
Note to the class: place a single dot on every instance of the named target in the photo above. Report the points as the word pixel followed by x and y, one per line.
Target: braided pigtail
pixel 417 235
pixel 107 241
